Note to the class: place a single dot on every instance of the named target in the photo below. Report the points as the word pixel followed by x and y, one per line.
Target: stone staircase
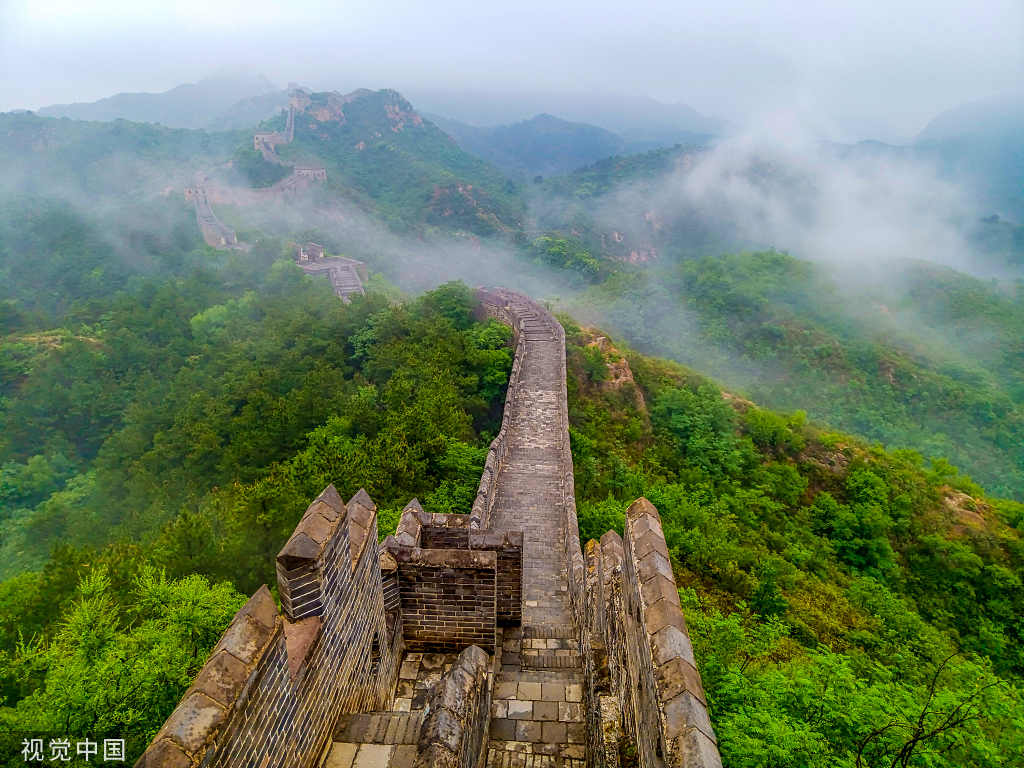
pixel 547 647
pixel 537 713
pixel 345 281
pixel 375 740
pixel 388 739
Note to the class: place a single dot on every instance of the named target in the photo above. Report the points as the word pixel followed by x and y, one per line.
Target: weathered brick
pixel 221 678
pixel 659 588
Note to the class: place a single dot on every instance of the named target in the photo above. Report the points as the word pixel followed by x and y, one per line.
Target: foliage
pixel 563 253
pixel 916 357
pixel 111 672
pixel 848 606
pixel 259 171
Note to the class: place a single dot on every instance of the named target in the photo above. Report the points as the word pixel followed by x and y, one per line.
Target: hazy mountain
pixel 185 106
pixel 544 145
pixel 994 116
pixel 979 145
pixel 250 111
pixel 639 117
pixel 644 140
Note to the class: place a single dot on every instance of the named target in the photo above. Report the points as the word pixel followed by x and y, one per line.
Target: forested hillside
pixel 379 153
pixel 95 163
pixel 912 355
pixel 850 606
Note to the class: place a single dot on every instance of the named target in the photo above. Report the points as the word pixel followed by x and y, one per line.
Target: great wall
pixel 345 275
pixel 484 639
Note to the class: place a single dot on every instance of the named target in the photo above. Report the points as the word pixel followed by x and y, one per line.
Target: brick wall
pixel 449 598
pixel 273 687
pixel 437 537
pixel 510 582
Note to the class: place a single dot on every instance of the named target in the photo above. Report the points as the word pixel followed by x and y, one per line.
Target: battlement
pixel 644 656
pixel 317 172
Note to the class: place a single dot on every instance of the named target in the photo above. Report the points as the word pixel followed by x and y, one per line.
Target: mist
pixel 875 70
pixel 819 202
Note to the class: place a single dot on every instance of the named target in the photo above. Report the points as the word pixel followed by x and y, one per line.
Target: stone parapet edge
pixel 685 722
pixel 224 680
pixel 499 448
pixel 457 715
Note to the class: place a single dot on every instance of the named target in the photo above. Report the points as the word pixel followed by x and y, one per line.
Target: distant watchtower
pixel 298 100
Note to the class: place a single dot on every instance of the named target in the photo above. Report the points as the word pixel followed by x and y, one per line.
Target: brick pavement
pixel 528 498
pixel 536 718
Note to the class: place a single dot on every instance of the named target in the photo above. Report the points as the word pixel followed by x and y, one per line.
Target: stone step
pixel 547 631
pixel 523 754
pixel 354 755
pixel 379 728
pixel 548 659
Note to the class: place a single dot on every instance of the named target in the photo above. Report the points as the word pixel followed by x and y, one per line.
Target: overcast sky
pixel 875 68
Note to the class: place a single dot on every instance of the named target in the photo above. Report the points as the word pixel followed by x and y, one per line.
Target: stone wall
pixel 495 305
pixel 649 665
pixel 276 683
pixel 454 730
pixel 215 232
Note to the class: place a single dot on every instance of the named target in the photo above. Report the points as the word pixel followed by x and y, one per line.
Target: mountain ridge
pixel 189 105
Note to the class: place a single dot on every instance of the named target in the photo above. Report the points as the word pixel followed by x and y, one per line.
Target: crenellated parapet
pixel 648 681
pixel 277 681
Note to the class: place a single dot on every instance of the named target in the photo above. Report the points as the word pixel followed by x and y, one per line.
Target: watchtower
pixel 298 100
